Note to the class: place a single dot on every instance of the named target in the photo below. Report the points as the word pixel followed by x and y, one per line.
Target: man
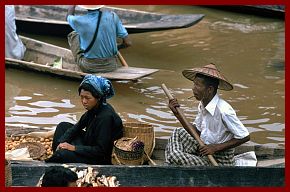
pixel 94 40
pixel 91 139
pixel 14 47
pixel 58 176
pixel 216 123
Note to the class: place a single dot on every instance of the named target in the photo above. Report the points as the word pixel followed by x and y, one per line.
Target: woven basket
pixel 36 150
pixel 8 173
pixel 144 132
pixel 122 157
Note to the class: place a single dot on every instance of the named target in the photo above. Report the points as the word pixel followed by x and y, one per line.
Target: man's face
pixel 199 89
pixel 88 100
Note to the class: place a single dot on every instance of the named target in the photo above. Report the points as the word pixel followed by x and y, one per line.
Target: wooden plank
pixel 128 73
pixel 272 162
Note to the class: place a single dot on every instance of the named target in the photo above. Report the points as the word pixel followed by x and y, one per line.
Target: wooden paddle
pixel 123 62
pixel 188 126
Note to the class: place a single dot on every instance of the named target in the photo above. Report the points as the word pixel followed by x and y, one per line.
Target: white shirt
pixel 218 122
pixel 14 47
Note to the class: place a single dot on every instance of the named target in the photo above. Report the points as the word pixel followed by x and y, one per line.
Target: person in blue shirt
pixel 94 40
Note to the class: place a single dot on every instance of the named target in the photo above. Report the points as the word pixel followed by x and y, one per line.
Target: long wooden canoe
pixel 50 20
pixel 27 173
pixel 274 11
pixel 40 55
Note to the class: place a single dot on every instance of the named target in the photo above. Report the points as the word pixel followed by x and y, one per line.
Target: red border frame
pixel 140 2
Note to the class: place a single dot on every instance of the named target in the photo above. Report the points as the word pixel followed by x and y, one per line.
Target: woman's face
pixel 88 100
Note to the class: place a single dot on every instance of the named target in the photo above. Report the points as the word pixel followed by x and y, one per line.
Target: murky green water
pixel 249 50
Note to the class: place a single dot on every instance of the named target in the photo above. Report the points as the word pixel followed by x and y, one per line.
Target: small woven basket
pixel 36 150
pixel 123 157
pixel 144 132
pixel 8 173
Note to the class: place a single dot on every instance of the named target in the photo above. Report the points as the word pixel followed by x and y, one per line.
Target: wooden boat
pixel 274 11
pixel 40 55
pixel 28 173
pixel 50 20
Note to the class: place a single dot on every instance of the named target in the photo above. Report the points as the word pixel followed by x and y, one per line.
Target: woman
pixel 91 139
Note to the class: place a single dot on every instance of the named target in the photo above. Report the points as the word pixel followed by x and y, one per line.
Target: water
pixel 249 50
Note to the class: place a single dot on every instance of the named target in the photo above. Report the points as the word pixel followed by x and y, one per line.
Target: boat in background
pixel 54 60
pixel 50 19
pixel 273 11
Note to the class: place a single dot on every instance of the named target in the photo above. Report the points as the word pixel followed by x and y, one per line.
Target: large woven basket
pixel 8 173
pixel 144 132
pixel 123 157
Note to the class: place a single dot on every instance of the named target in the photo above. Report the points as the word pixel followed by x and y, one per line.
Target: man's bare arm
pixel 211 149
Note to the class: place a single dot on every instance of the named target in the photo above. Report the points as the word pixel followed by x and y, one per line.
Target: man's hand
pixel 173 104
pixel 66 146
pixel 126 42
pixel 208 150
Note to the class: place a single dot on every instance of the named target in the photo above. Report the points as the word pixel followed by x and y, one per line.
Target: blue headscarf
pixel 101 85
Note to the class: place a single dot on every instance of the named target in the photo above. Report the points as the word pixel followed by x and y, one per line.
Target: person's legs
pixel 182 149
pixel 99 65
pixel 225 158
pixel 66 156
pixel 59 131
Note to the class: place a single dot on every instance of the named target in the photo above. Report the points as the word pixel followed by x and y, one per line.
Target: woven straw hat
pixel 91 7
pixel 211 71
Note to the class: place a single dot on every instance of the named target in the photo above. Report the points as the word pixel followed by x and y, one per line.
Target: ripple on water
pixel 24 110
pixel 22 98
pixel 247 27
pixel 64 104
pixel 40 120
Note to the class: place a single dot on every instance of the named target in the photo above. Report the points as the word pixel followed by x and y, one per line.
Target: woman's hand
pixel 66 146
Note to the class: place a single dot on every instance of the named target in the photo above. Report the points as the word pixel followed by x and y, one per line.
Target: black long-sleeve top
pixel 98 128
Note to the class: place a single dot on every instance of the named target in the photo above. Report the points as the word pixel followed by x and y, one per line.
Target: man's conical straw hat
pixel 211 71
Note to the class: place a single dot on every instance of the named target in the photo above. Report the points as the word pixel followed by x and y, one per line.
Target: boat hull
pixel 40 55
pixel 28 174
pixel 50 20
pixel 272 11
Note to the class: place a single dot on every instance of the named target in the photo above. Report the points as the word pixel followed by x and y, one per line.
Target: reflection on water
pixel 249 50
